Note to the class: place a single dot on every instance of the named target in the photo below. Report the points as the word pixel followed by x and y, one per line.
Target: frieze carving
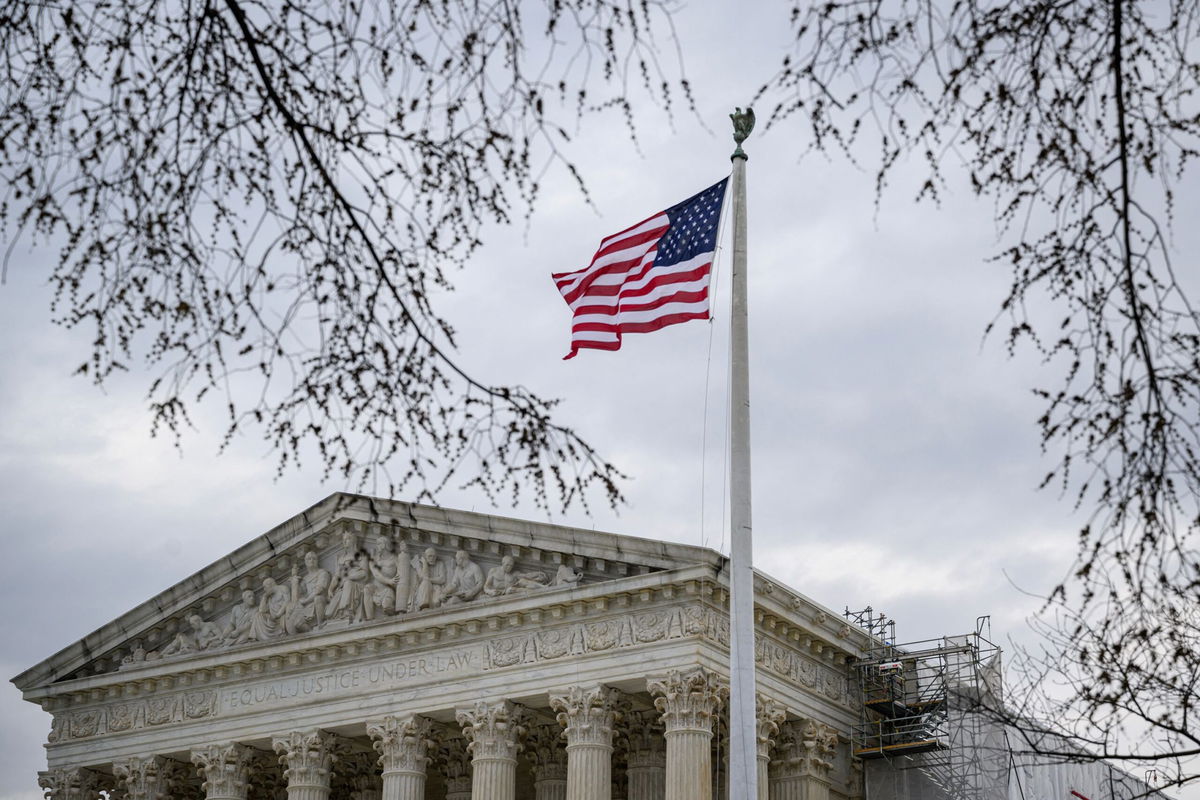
pixel 588 715
pixel 403 743
pixel 123 717
pixel 494 730
pixel 225 769
pixel 363 583
pixel 652 626
pixel 689 700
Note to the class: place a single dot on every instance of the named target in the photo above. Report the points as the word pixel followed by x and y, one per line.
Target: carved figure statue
pixel 202 636
pixel 466 580
pixel 381 591
pixel 308 612
pixel 431 579
pixel 567 576
pixel 504 579
pixel 206 634
pixel 267 621
pixel 404 578
pixel 241 618
pixel 348 588
pixel 184 642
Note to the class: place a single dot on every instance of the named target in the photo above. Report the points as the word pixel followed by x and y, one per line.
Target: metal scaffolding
pixel 919 730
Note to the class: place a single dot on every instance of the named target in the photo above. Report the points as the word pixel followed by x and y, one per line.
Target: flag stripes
pixel 646 277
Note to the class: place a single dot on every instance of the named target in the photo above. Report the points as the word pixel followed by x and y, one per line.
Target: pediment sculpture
pixel 359 586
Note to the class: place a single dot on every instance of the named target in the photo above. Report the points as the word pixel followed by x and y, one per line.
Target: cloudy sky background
pixel 895 451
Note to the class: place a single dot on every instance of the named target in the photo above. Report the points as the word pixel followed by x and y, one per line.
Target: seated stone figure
pixel 504 579
pixel 466 580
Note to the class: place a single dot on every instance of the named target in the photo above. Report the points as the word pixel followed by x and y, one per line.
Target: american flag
pixel 646 277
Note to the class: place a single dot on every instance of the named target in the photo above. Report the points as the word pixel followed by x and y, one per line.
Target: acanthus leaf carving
pixel 403 743
pixel 226 769
pixel 588 715
pixel 151 777
pixel 494 730
pixel 308 757
pixel 688 700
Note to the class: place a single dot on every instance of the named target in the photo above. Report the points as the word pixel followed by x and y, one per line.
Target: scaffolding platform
pixel 918 700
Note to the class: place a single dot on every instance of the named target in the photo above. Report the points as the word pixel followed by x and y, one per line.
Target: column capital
pixel 73 783
pixel 225 769
pixel 769 715
pixel 644 739
pixel 151 777
pixel 806 749
pixel 546 754
pixel 588 714
pixel 403 743
pixel 456 768
pixel 688 700
pixel 494 730
pixel 308 756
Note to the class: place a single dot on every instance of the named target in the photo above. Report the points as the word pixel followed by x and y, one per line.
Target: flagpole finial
pixel 743 123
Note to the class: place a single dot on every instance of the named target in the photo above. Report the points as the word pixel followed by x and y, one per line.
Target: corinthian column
pixel 309 758
pixel 647 758
pixel 688 702
pixel 769 715
pixel 151 777
pixel 588 715
pixel 403 745
pixel 225 769
pixel 494 732
pixel 456 768
pixel 548 762
pixel 73 784
pixel 804 759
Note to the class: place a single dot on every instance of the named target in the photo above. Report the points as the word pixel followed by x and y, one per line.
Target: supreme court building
pixel 370 649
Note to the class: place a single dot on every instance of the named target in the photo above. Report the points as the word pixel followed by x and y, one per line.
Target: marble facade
pixel 378 650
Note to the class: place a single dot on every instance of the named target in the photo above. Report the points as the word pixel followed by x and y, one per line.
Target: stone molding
pixel 588 715
pixel 688 701
pixel 151 777
pixel 226 769
pixel 494 731
pixel 308 757
pixel 403 743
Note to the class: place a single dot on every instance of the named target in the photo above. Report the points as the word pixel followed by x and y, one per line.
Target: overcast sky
pixel 895 453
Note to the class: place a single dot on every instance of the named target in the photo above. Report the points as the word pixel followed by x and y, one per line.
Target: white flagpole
pixel 743 762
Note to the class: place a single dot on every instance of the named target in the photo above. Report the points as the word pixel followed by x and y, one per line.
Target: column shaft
pixel 589 772
pixel 689 703
pixel 404 786
pixel 403 745
pixel 588 716
pixel 494 779
pixel 689 765
pixel 647 782
pixel 494 733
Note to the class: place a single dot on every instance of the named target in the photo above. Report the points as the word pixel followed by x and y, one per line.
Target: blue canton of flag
pixel 646 277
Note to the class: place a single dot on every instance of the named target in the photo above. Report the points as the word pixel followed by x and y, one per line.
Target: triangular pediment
pixel 353 561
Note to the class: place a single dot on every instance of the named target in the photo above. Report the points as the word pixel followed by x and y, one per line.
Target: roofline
pixel 345 505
